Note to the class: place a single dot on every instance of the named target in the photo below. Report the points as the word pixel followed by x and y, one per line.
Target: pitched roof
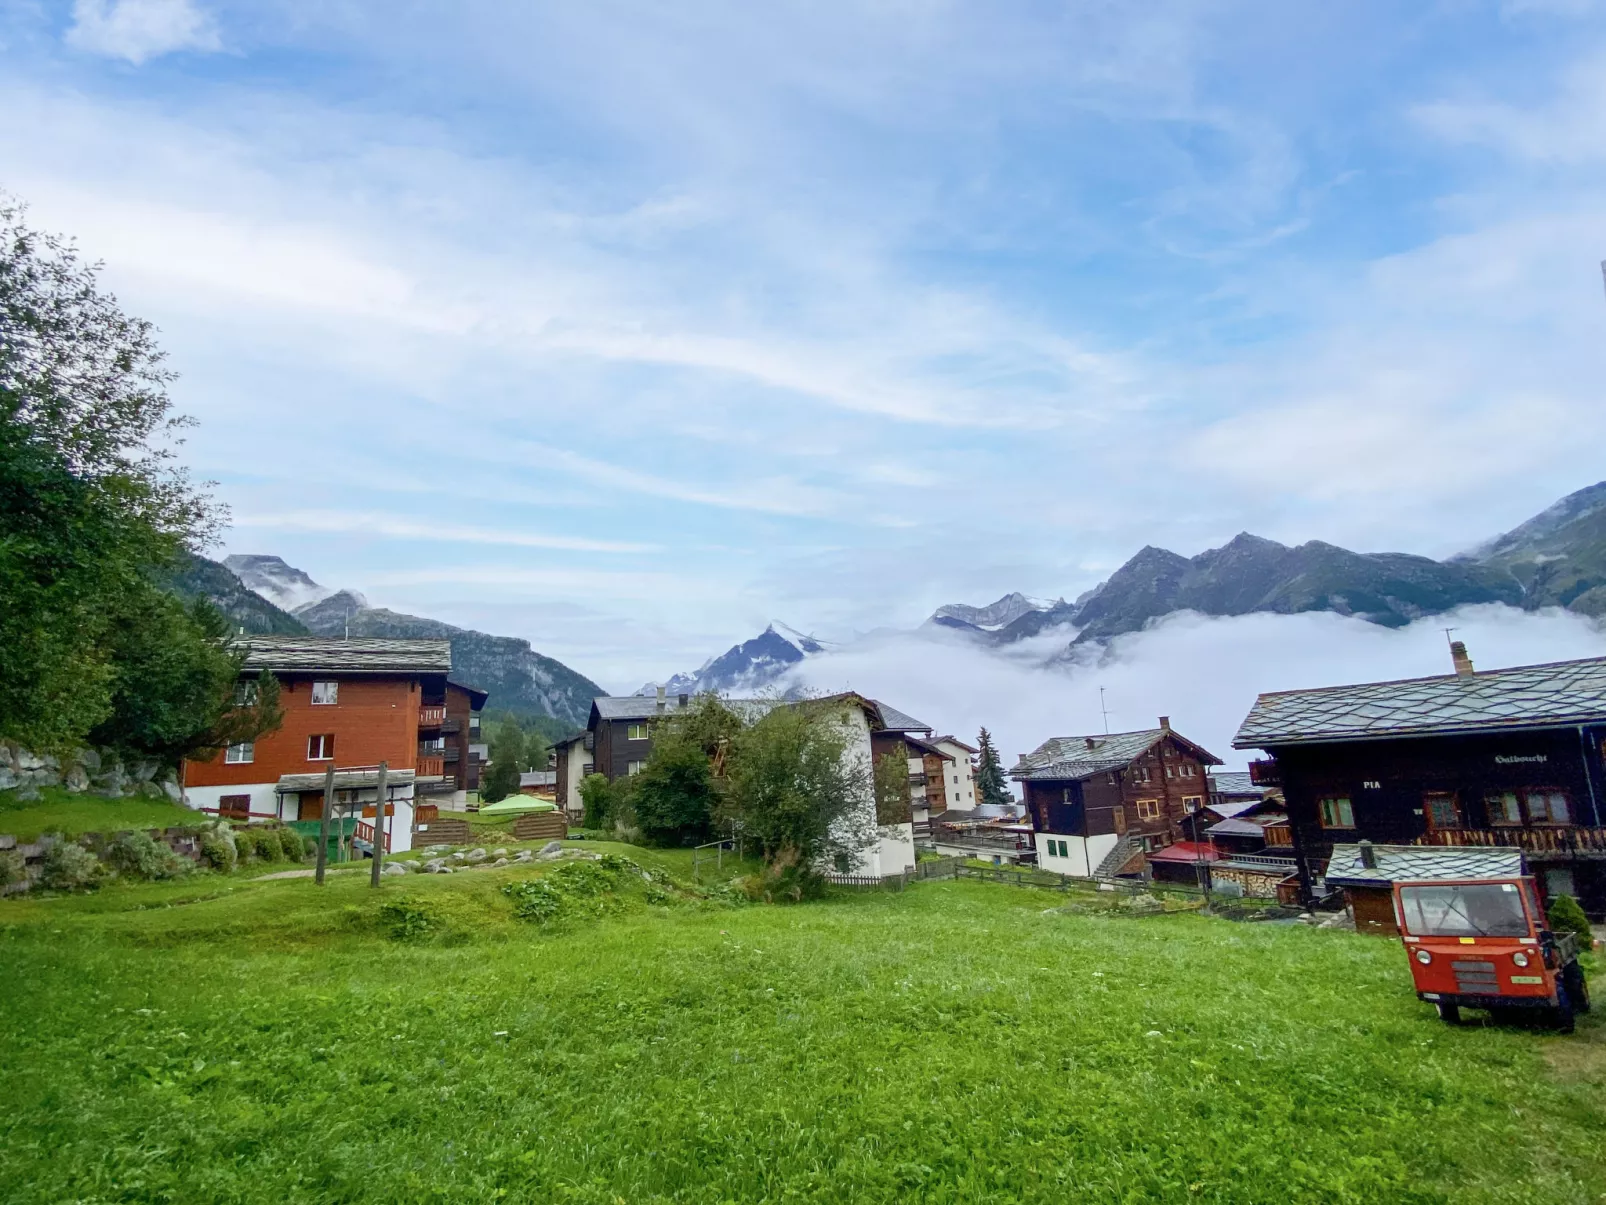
pixel 1559 694
pixel 346 780
pixel 1073 757
pixel 1234 782
pixel 1403 863
pixel 645 707
pixel 898 721
pixel 367 655
pixel 1186 851
pixel 954 740
pixel 1236 807
pixel 1233 827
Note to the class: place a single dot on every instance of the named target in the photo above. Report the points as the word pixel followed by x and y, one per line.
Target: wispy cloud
pixel 138 30
pixel 407 528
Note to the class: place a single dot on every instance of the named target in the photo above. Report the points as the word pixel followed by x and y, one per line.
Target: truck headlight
pixel 1520 958
pixel 1423 956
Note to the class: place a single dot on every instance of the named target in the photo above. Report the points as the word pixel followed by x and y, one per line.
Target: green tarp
pixel 517 805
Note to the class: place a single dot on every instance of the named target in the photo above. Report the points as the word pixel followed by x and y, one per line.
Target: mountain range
pixel 1557 558
pixel 250 589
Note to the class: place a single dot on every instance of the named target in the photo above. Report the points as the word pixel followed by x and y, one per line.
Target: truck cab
pixel 1483 943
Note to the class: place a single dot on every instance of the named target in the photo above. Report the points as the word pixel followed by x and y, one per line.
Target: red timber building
pixel 351 704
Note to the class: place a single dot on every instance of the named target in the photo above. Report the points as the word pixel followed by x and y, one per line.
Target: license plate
pixel 1527 979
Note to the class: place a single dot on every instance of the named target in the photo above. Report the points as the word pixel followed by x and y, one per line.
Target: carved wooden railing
pixel 1558 840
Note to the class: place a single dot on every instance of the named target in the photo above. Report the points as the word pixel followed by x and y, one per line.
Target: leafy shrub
pixel 408 918
pixel 785 878
pixel 138 855
pixel 217 850
pixel 13 867
pixel 257 844
pixel 290 844
pixel 69 866
pixel 534 900
pixel 1567 917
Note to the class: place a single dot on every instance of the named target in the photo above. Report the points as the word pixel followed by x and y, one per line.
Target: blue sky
pixel 629 327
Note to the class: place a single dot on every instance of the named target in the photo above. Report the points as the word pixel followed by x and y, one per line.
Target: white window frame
pixel 245 694
pixel 634 767
pixel 638 732
pixel 1192 803
pixel 330 692
pixel 326 741
pixel 241 754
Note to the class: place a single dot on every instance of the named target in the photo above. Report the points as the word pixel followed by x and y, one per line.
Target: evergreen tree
pixel 991 787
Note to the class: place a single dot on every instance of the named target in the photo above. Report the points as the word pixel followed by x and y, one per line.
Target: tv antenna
pixel 1105 711
pixel 1447 631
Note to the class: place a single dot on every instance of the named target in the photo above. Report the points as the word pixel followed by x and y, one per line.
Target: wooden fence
pixel 444 832
pixel 534 826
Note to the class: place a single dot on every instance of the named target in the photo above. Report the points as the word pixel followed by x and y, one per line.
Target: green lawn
pixel 59 810
pixel 223 1040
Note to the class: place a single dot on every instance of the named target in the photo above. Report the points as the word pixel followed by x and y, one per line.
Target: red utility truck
pixel 1482 943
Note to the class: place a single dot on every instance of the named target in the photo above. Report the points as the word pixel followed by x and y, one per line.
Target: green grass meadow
pixel 62 811
pixel 218 1039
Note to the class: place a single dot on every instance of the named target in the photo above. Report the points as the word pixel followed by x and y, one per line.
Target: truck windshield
pixel 1464 910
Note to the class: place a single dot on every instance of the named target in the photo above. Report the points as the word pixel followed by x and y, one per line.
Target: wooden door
pixel 311 806
pixel 1120 820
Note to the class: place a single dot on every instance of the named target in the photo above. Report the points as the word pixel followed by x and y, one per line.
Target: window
pixel 241 754
pixel 325 694
pixel 635 767
pixel 1192 803
pixel 1068 796
pixel 1442 809
pixel 637 732
pixel 245 694
pixel 321 748
pixel 234 807
pixel 473 723
pixel 1337 812
pixel 1503 807
pixel 1063 851
pixel 1170 771
pixel 1466 910
pixel 1148 809
pixel 1190 770
pixel 1140 774
pixel 1548 807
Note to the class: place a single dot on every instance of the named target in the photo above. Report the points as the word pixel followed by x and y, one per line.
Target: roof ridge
pixel 1479 676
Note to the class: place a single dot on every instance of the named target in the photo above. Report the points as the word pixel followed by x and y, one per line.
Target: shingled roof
pixel 1559 694
pixel 323 654
pixel 1405 863
pixel 1063 758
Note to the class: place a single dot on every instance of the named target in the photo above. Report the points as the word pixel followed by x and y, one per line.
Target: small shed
pixel 1179 862
pixel 1367 873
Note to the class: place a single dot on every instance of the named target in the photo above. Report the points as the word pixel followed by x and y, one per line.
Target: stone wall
pixel 186 842
pixel 94 771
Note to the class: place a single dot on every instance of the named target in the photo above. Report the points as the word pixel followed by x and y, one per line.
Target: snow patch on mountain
pixel 994 615
pixel 753 666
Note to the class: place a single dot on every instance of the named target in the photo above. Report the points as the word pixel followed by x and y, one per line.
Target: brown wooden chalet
pixel 1506 758
pixel 1097 804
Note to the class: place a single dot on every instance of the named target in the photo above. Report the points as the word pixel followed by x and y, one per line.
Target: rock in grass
pixel 498 862
pixel 552 847
pixel 499 853
pixel 393 868
pixel 476 855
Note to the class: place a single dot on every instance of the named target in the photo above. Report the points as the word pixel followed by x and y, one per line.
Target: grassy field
pixel 59 810
pixel 224 1040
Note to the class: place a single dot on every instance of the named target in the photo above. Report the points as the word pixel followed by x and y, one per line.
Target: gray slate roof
pixel 645 707
pixel 1234 782
pixel 1238 828
pixel 538 778
pixel 345 780
pixel 1062 758
pixel 1227 810
pixel 1400 863
pixel 898 721
pixel 368 655
pixel 1530 696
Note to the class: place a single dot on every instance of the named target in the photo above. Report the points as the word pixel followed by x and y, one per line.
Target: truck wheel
pixel 1449 1013
pixel 1564 1008
pixel 1577 987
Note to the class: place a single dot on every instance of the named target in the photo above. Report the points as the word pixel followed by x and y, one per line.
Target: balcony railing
pixel 430 716
pixel 1559 840
pixel 450 754
pixel 1265 773
pixel 917 780
pixel 429 767
pixel 451 726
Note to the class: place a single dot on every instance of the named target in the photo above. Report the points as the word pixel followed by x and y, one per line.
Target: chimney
pixel 1091 743
pixel 1165 723
pixel 1368 857
pixel 1463 663
pixel 660 698
pixel 684 699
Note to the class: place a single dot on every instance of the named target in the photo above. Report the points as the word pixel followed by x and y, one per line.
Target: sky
pixel 627 328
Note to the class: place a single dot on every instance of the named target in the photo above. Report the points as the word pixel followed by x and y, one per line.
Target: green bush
pixel 1567 917
pixel 535 900
pixel 137 855
pixel 13 867
pixel 68 866
pixel 217 851
pixel 290 844
pixel 408 918
pixel 257 844
pixel 785 878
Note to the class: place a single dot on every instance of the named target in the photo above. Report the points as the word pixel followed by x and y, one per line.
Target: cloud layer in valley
pixel 1202 672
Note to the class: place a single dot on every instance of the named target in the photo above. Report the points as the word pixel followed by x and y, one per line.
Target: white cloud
pixel 1569 128
pixel 1203 673
pixel 138 30
pixel 401 527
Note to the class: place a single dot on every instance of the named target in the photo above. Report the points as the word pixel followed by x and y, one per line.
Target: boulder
pixel 76 779
pixel 476 855
pixel 8 777
pixel 33 761
pixel 89 759
pixel 144 771
pixel 173 791
pixel 27 793
pixel 499 853
pixel 498 862
pixel 393 868
pixel 547 857
pixel 552 847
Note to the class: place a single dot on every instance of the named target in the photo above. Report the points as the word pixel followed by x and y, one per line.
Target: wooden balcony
pixel 1265 773
pixel 431 716
pixel 430 767
pixel 1560 841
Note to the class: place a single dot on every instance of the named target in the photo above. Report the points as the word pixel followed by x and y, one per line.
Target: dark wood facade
pixel 1540 790
pixel 1149 797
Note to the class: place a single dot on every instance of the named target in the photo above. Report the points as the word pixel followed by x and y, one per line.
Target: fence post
pixel 323 822
pixel 379 824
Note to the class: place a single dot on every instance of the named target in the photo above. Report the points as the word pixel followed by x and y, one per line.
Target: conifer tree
pixel 990 784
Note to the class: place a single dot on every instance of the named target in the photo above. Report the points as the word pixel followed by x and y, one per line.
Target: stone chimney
pixel 684 699
pixel 660 698
pixel 1091 743
pixel 1368 855
pixel 1463 663
pixel 1165 723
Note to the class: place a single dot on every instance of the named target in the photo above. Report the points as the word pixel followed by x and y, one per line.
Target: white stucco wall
pixel 263 799
pixel 961 795
pixel 1083 854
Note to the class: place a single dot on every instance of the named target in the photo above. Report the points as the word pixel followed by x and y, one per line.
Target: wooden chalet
pixel 1508 759
pixel 1099 804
